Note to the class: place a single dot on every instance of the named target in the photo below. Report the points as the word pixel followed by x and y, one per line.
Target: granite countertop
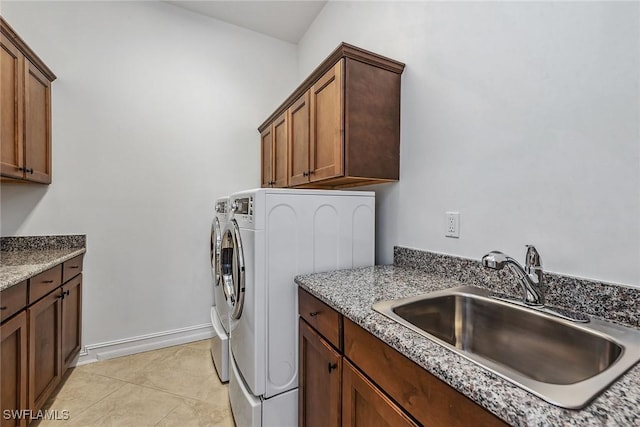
pixel 23 257
pixel 352 293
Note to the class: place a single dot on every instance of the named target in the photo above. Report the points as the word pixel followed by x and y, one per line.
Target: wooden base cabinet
pixel 377 385
pixel 320 375
pixel 45 363
pixel 344 123
pixel 25 111
pixel 332 392
pixel 13 371
pixel 71 320
pixel 364 405
pixel 40 335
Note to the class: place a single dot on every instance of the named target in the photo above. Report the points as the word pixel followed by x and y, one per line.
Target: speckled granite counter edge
pixel 23 257
pixel 29 243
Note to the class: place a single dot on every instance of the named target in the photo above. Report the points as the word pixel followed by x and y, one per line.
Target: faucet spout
pixel 530 277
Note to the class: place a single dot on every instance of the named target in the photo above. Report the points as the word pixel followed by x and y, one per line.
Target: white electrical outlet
pixel 453 224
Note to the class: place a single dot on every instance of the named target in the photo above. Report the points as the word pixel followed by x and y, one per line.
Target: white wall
pixel 524 117
pixel 155 111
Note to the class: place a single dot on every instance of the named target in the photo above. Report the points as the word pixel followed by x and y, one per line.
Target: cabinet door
pixel 11 109
pixel 363 404
pixel 280 147
pixel 71 320
pixel 266 148
pixel 299 141
pixel 319 380
pixel 327 125
pixel 13 373
pixel 37 125
pixel 44 348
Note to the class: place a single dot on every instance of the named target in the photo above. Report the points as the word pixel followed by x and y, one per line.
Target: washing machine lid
pixel 233 269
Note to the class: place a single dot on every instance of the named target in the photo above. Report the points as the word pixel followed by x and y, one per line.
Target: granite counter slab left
pixel 25 256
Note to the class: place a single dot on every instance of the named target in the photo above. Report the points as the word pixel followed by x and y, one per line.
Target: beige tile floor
pixel 174 386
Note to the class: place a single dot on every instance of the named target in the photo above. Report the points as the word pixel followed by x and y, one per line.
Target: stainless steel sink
pixel 563 362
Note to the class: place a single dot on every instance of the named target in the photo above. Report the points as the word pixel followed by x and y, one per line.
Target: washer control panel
pixel 222 206
pixel 243 209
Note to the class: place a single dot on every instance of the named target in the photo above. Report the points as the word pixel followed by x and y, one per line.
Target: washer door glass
pixel 232 269
pixel 216 246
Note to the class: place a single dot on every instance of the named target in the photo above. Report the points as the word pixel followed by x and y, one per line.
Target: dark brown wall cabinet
pixel 40 332
pixel 274 153
pixel 25 111
pixel 339 128
pixel 348 377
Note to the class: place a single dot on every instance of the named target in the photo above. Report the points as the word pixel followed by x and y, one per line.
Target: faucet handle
pixel 533 264
pixel 532 257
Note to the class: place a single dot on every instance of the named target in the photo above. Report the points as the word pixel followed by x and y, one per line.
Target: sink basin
pixel 563 362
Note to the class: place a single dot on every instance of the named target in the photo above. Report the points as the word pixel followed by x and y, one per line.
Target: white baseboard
pixel 124 347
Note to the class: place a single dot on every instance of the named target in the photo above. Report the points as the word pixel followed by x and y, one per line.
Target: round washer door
pixel 232 269
pixel 216 246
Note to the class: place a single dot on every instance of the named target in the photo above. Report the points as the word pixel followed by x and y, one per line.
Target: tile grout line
pixel 97 401
pixel 100 400
pixel 169 413
pixel 183 400
pixel 151 388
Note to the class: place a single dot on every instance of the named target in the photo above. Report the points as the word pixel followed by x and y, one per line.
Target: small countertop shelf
pixel 23 257
pixel 352 293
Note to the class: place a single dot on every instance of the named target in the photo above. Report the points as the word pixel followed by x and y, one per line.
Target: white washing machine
pixel 272 236
pixel 220 308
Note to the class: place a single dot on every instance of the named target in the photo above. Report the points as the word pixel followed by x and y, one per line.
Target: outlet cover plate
pixel 452 224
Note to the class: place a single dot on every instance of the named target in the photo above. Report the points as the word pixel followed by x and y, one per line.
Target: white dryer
pixel 272 236
pixel 220 308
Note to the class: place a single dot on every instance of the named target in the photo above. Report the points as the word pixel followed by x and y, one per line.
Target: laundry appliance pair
pixel 272 235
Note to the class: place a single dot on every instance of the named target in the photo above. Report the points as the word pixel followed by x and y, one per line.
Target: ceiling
pixel 284 20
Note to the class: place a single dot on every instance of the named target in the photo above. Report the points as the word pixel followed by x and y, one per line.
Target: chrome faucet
pixel 530 276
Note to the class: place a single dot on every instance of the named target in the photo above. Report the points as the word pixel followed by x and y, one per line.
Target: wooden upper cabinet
pixel 274 141
pixel 11 113
pixel 344 122
pixel 280 147
pixel 266 142
pixel 25 111
pixel 327 126
pixel 37 158
pixel 299 141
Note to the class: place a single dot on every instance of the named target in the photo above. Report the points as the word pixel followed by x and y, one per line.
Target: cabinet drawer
pixel 44 283
pixel 428 399
pixel 12 300
pixel 321 317
pixel 71 268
